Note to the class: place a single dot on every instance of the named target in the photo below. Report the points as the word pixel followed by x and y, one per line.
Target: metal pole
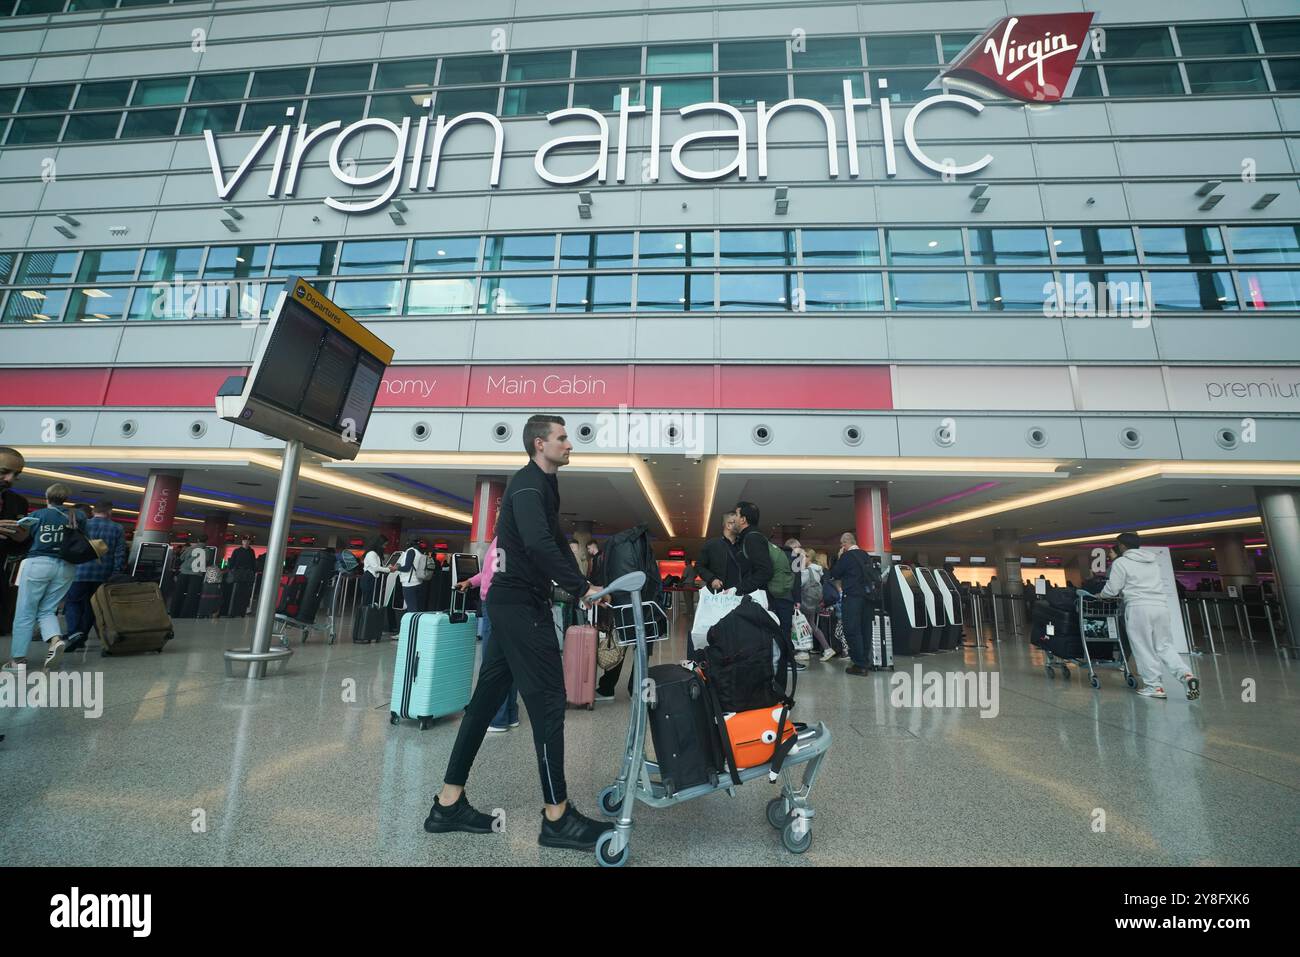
pixel 1268 610
pixel 1015 616
pixel 1209 629
pixel 1187 625
pixel 1250 632
pixel 1218 614
pixel 284 497
pixel 997 620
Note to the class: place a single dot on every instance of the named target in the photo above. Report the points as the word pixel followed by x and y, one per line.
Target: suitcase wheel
pixel 592 706
pixel 426 724
pixel 392 717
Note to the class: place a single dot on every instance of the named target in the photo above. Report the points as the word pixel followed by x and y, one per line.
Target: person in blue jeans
pixel 43 580
pixel 88 578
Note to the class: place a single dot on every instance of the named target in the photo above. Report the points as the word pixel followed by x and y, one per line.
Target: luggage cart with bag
pixel 1100 642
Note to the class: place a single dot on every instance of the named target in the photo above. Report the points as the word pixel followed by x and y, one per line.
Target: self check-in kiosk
pixel 933 610
pixel 951 601
pixel 906 608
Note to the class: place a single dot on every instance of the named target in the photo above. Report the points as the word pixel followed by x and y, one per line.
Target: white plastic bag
pixel 801 632
pixel 710 608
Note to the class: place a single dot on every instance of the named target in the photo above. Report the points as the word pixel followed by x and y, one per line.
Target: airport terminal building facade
pixel 977 299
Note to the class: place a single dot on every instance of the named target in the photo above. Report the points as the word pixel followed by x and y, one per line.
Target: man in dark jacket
pixel 718 565
pixel 242 569
pixel 531 553
pixel 859 582
pixel 751 550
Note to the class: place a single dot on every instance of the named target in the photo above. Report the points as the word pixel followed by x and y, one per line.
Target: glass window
pixel 219 119
pixel 1183 244
pixel 1009 246
pixel 1133 43
pixel 754 291
pixel 97 305
pixel 29 7
pixel 1217 39
pixel 158 90
pixel 953 44
pixel 1265 244
pixel 406 74
pixel 1089 82
pixel 167 263
pixel 270 296
pixel 595 251
pixel 91 126
pixel 901 51
pixel 1264 290
pixel 744 247
pixel 929 247
pixel 1014 291
pixel 744 55
pixel 448 254
pixel 345 78
pixel 372 256
pixel 471 69
pixel 905 86
pixel 377 297
pixel 1229 76
pixel 94 96
pixel 678 93
pixel 676 249
pixel 520 252
pixel 45 267
pixel 38 129
pixel 674 292
pixel 35 305
pixel 258 116
pixel 218 86
pixel 427 297
pixel 843 291
pixel 831 52
pixel 604 97
pixel 594 293
pixel 1102 293
pixel 303 259
pixel 1151 80
pixel 9 98
pixel 501 294
pixel 609 61
pixel 527 100
pixel 1281 37
pixel 7 261
pixel 141 123
pixel 748 90
pixel 279 82
pixel 397 106
pixel 538 66
pixel 1286 74
pixel 453 102
pixel 162 302
pixel 42 99
pixel 841 247
pixel 929 290
pixel 112 265
pixel 1196 291
pixel 1094 244
pixel 236 262
pixel 345 109
pixel 695 58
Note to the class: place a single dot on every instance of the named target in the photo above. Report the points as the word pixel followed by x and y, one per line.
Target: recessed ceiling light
pixel 442 252
pixel 32 294
pixel 933 243
pixel 1056 242
pixel 678 246
pixel 95 293
pixel 997 298
pixel 239 259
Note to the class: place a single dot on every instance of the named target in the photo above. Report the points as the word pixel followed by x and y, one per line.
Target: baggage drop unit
pixel 933 610
pixel 639 778
pixel 906 609
pixel 951 599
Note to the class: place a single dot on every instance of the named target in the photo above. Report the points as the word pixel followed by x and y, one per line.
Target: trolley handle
pixel 631 582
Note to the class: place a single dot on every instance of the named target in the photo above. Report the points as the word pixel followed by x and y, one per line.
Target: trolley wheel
pixel 1095 681
pixel 1065 672
pixel 604 856
pixel 796 843
pixel 392 717
pixel 777 815
pixel 610 801
pixel 1051 672
pixel 1130 681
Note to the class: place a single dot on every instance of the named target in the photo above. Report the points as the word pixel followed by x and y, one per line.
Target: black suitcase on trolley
pixel 369 624
pixel 683 728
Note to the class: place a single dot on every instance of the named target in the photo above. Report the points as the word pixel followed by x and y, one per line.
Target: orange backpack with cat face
pixel 753 736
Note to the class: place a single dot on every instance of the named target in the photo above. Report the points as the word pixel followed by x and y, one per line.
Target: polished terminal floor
pixel 285 771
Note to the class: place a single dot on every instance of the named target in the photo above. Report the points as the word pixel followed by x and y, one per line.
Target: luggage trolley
pixel 789 813
pixel 1101 617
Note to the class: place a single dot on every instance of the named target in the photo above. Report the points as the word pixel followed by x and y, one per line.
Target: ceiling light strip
pixel 1164 530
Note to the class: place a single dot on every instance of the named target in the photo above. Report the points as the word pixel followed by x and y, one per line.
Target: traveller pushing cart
pixel 1094 645
pixel 640 778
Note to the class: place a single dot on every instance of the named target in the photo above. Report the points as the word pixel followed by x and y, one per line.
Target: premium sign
pixel 1027 58
pixel 421 146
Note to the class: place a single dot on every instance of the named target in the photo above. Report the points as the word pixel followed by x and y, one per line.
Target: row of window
pixel 895 246
pixel 27 8
pixel 1050 292
pixel 736 72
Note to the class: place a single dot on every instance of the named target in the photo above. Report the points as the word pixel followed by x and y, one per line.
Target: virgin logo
pixel 1028 58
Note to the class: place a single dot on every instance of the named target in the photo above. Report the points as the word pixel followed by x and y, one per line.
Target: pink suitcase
pixel 580 666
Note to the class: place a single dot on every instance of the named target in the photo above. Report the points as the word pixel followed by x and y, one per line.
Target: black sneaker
pixel 856 670
pixel 75 642
pixel 459 817
pixel 573 830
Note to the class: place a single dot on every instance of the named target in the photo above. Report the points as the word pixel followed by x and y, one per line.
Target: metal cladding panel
pixel 165 429
pixel 1257 339
pixel 1157 438
pixel 592 338
pixel 1120 340
pixel 161 343
pixel 35 427
pixel 773 337
pixel 55 68
pixel 807 435
pixel 995 436
pixel 1276 439
pixel 976 338
pixel 395 430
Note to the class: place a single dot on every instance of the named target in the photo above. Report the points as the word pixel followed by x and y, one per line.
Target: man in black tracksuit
pixel 531 553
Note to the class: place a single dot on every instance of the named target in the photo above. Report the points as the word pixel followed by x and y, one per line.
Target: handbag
pixel 77 548
pixel 841 643
pixel 609 653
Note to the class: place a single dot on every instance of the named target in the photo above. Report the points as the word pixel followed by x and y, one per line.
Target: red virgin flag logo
pixel 1027 58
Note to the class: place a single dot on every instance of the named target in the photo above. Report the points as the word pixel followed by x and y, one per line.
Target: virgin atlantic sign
pixel 1026 58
